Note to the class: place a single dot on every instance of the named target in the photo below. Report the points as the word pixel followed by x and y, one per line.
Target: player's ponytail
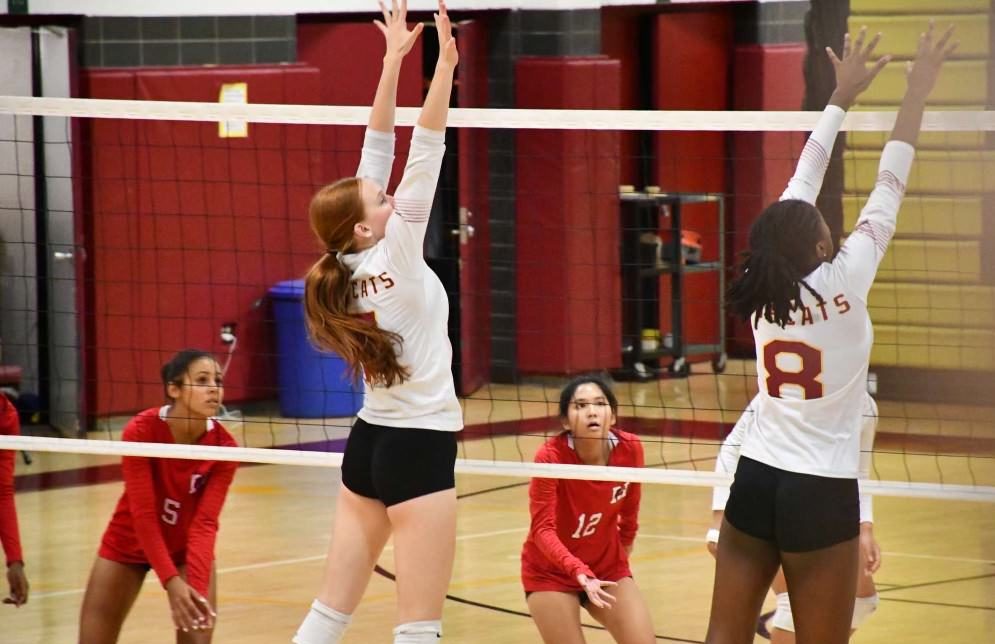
pixel 334 212
pixel 781 254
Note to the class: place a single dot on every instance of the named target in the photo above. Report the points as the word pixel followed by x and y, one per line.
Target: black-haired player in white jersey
pixel 794 500
pixel 373 300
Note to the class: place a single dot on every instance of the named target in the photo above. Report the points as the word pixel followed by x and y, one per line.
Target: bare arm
pixel 922 74
pixel 435 111
pixel 853 76
pixel 399 41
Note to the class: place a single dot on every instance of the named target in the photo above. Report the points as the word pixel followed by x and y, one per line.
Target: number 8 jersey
pixel 581 526
pixel 813 373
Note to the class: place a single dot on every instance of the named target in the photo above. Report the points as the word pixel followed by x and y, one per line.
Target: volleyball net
pixel 570 241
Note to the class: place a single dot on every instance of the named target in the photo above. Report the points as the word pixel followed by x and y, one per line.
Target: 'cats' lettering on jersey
pixel 371 285
pixel 821 311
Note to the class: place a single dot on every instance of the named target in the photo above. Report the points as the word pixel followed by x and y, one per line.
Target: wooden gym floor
pixel 937 583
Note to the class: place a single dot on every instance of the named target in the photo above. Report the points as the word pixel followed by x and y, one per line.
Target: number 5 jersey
pixel 581 526
pixel 813 373
pixel 168 514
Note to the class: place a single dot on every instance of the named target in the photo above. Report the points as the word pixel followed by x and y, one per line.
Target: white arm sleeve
pixel 868 428
pixel 863 250
pixel 807 180
pixel 405 235
pixel 377 157
pixel 728 457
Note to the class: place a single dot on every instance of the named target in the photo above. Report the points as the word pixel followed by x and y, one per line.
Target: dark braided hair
pixel 781 254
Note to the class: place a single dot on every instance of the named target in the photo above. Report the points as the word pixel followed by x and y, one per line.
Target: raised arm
pixel 865 247
pixel 399 40
pixel 378 146
pixel 405 233
pixel 852 77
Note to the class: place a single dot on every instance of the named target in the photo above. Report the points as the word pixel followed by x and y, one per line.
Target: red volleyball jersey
pixel 169 511
pixel 9 535
pixel 581 526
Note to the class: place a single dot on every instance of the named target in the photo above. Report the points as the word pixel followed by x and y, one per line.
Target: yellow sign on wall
pixel 234 93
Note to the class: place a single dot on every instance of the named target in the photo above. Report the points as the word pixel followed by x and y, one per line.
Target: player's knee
pixel 427 632
pixel 863 608
pixel 783 618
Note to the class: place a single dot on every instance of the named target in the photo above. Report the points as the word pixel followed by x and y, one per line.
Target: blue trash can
pixel 312 384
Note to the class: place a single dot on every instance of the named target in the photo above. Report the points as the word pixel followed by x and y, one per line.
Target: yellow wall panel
pixel 875 141
pixel 962 82
pixel 950 216
pixel 932 305
pixel 930 7
pixel 933 172
pixel 910 260
pixel 900 34
pixel 935 348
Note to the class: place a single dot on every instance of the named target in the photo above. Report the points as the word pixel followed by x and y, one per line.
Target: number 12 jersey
pixel 581 526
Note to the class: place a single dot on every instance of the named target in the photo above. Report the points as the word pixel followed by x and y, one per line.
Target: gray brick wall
pixel 195 40
pixel 512 34
pixel 770 23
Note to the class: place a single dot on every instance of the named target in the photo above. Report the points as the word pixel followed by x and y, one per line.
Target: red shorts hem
pixel 533 585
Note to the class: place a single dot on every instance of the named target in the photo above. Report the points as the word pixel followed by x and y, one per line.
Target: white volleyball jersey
pixel 813 373
pixel 392 282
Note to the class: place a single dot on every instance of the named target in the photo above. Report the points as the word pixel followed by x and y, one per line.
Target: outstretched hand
pixel 448 53
pixel 922 72
pixel 595 589
pixel 852 73
pixel 395 30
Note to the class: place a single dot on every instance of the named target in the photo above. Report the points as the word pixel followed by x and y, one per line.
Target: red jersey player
pixel 582 531
pixel 9 535
pixel 167 518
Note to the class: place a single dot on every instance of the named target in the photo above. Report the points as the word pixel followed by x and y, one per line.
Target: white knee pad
pixel 863 607
pixel 428 632
pixel 323 625
pixel 782 616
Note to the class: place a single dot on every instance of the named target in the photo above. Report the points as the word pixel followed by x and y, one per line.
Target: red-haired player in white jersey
pixel 10 537
pixel 373 300
pixel 167 518
pixel 582 532
pixel 794 499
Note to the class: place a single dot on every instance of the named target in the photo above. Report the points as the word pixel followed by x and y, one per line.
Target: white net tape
pixel 518 119
pixel 464 466
pixel 671 120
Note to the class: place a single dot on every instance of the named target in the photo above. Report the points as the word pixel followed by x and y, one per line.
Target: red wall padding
pixel 567 221
pixel 692 50
pixel 766 77
pixel 190 230
pixel 620 34
pixel 349 57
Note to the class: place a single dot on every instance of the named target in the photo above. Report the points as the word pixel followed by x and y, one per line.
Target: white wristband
pixel 712 536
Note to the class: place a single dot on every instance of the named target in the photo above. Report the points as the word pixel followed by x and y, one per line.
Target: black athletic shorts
pixel 797 512
pixel 395 464
pixel 584 599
